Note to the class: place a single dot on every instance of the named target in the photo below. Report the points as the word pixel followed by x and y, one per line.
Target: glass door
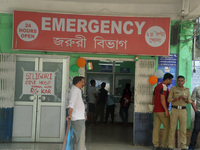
pixel 40 116
pixel 51 108
pixel 24 119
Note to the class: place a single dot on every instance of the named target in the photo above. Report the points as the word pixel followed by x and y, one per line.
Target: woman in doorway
pixel 125 103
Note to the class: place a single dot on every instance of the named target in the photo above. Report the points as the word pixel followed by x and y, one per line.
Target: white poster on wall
pixel 38 83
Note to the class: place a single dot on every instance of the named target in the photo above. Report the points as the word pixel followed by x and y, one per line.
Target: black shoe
pixel 156 148
pixel 170 149
pixel 190 148
pixel 184 149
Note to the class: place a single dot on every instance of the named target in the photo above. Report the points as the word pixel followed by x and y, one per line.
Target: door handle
pixel 42 98
pixel 31 97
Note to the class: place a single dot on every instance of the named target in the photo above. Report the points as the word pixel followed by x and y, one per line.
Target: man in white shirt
pixel 196 130
pixel 77 113
pixel 92 100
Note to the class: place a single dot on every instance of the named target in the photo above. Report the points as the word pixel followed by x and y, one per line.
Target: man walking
pixel 179 96
pixel 161 113
pixel 77 113
pixel 196 130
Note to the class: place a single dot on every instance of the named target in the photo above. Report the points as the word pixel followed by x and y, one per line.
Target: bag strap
pixel 127 92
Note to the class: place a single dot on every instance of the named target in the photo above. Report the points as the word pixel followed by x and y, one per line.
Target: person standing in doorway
pixel 161 113
pixel 125 103
pixel 77 113
pixel 110 109
pixel 179 96
pixel 101 101
pixel 196 129
pixel 92 100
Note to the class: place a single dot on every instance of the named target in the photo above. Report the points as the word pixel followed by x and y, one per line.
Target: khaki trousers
pixel 159 118
pixel 181 115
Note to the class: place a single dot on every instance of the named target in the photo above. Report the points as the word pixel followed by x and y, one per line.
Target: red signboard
pixel 91 34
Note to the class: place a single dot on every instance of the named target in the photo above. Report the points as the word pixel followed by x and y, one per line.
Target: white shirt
pixel 196 97
pixel 91 92
pixel 76 103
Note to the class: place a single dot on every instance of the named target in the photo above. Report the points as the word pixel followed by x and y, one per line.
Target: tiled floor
pixel 108 134
pixel 50 146
pixel 58 146
pixel 99 137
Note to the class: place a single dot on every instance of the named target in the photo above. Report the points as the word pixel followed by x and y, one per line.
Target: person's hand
pixel 68 117
pixel 176 99
pixel 167 113
pixel 183 97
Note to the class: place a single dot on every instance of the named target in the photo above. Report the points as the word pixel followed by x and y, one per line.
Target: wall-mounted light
pixel 102 64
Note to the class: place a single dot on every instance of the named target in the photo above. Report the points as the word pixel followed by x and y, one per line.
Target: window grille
pixel 7 80
pixel 143 89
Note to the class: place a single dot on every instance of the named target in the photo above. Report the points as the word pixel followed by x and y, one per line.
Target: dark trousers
pixel 196 130
pixel 110 110
pixel 124 114
pixel 99 110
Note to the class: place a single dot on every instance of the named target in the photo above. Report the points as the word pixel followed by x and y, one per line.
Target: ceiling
pixel 175 9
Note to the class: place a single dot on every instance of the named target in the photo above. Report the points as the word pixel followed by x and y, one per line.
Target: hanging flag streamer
pixel 89 66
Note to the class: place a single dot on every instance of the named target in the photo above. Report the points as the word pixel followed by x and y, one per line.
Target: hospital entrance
pixel 116 74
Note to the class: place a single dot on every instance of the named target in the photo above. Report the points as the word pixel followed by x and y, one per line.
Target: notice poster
pixel 168 65
pixel 38 83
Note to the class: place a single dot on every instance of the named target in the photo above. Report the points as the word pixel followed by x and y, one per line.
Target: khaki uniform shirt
pixel 196 96
pixel 175 92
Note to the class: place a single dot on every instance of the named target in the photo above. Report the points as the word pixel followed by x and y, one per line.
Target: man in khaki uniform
pixel 179 96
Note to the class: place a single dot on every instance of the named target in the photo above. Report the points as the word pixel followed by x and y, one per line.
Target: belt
pixel 179 107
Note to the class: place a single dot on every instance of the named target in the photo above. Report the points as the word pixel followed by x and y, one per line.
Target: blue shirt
pixel 110 100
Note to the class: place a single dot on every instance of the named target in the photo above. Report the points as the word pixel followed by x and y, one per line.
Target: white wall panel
pixel 22 121
pixel 50 122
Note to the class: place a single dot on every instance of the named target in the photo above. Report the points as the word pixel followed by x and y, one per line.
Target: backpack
pixel 126 99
